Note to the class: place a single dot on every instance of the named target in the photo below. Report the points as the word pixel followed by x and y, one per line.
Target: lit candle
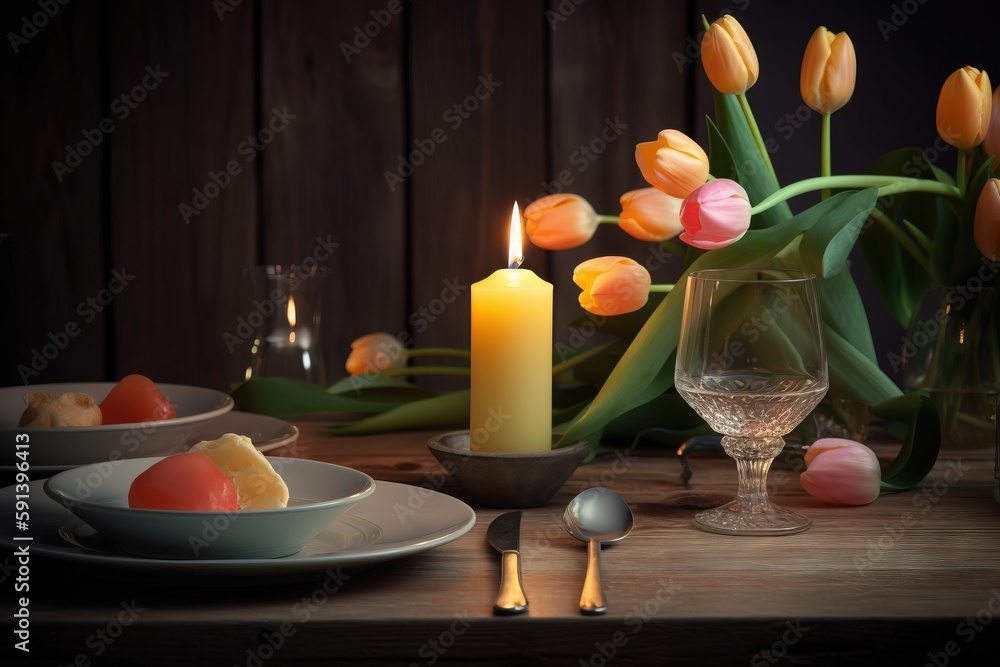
pixel 511 384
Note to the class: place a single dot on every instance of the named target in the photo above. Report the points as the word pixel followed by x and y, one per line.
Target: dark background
pixel 565 69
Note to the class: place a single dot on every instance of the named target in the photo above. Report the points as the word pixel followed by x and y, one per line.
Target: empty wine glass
pixel 751 362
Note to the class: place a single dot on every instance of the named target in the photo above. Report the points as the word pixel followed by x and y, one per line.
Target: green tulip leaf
pixel 825 247
pixel 281 397
pixel 923 439
pixel 451 409
pixel 378 389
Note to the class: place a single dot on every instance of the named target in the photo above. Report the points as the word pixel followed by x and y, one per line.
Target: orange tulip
pixel 674 163
pixel 829 70
pixel 991 144
pixel 986 225
pixel 612 285
pixel 375 353
pixel 965 107
pixel 728 57
pixel 650 215
pixel 561 221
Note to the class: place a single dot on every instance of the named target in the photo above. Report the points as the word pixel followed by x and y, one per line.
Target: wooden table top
pixel 913 578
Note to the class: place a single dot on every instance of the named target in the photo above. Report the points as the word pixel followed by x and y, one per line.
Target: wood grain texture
pixel 890 582
pixel 51 251
pixel 489 117
pixel 340 68
pixel 188 288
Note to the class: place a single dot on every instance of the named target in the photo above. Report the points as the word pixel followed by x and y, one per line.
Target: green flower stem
pixel 960 172
pixel 908 244
pixel 759 140
pixel 426 370
pixel 885 184
pixel 438 351
pixel 661 288
pixel 607 219
pixel 824 152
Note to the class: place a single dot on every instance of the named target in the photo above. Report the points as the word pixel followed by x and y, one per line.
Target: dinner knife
pixel 504 535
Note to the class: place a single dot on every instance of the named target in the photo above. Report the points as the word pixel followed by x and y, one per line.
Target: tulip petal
pixel 560 221
pixel 986 224
pixel 612 285
pixel 964 108
pixel 844 475
pixel 650 215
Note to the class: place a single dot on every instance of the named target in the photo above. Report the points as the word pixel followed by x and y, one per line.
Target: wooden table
pixel 912 579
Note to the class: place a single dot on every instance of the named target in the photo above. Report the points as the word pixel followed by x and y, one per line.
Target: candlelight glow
pixel 514 253
pixel 290 312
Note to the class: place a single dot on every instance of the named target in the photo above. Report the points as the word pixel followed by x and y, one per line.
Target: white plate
pixel 267 433
pixel 72 446
pixel 371 532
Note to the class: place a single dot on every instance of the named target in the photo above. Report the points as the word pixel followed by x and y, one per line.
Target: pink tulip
pixel 842 472
pixel 650 215
pixel 715 215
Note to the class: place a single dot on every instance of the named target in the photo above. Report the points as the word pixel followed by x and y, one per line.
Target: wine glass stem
pixel 752 494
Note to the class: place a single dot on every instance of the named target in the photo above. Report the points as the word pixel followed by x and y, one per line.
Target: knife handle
pixel 511 598
pixel 592 600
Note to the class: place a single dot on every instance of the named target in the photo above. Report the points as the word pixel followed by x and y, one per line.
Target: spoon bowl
pixel 596 516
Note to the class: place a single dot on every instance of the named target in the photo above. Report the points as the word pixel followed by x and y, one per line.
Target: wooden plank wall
pixel 552 76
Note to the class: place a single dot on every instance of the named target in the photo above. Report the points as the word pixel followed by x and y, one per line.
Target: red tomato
pixel 189 482
pixel 133 400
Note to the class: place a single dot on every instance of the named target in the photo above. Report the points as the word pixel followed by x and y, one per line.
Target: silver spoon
pixel 596 516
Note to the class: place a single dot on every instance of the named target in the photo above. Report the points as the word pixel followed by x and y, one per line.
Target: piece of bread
pixel 258 486
pixel 67 409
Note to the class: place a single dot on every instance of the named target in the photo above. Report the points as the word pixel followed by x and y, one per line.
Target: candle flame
pixel 291 311
pixel 514 253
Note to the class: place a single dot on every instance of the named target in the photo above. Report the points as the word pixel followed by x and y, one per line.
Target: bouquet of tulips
pixel 718 209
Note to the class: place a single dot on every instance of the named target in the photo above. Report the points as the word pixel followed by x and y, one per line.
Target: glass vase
pixel 952 352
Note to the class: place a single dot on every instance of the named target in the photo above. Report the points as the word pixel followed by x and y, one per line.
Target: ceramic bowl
pixel 77 445
pixel 319 494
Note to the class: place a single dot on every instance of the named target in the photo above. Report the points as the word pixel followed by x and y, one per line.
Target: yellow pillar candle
pixel 511 384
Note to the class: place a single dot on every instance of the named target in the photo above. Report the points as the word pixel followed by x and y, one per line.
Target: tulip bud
pixel 674 163
pixel 986 225
pixel 375 353
pixel 560 221
pixel 728 57
pixel 842 472
pixel 612 285
pixel 965 107
pixel 715 215
pixel 829 70
pixel 650 215
pixel 991 144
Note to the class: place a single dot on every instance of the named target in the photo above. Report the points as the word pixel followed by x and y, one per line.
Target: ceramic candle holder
pixel 508 481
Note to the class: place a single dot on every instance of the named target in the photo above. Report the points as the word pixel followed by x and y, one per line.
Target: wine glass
pixel 751 362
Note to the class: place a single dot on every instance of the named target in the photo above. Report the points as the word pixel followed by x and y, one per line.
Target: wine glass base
pixel 762 519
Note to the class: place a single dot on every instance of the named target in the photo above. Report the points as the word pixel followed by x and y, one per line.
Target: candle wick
pixel 515 262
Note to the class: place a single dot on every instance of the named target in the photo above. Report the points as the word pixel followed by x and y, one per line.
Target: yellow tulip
pixel 829 70
pixel 650 215
pixel 560 221
pixel 674 163
pixel 728 57
pixel 964 108
pixel 612 285
pixel 986 226
pixel 375 353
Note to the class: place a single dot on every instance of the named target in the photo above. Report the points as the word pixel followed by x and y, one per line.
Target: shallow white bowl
pixel 78 445
pixel 319 494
